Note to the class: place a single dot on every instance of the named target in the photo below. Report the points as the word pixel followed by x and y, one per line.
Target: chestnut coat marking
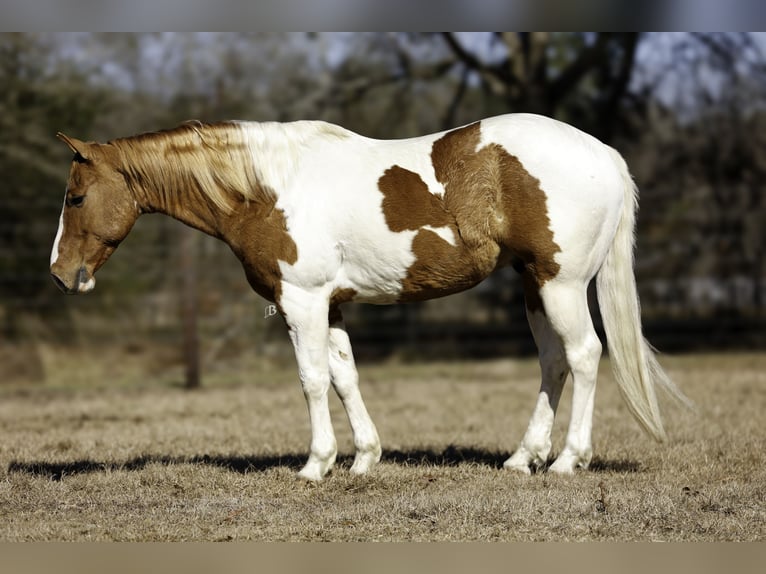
pixel 494 209
pixel 320 216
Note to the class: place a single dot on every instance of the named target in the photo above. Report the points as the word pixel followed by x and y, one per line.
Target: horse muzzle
pixel 83 282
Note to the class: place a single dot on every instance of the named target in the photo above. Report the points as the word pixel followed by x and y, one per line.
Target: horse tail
pixel 635 366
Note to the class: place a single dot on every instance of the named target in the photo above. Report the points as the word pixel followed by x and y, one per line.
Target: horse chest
pixel 261 241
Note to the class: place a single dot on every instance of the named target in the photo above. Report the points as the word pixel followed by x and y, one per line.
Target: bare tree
pixel 583 76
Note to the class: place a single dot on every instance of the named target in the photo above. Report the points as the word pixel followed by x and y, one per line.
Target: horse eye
pixel 76 201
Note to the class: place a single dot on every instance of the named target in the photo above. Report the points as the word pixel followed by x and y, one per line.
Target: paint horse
pixel 320 216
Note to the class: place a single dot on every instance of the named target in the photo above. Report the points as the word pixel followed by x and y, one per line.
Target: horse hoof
pixel 517 466
pixel 364 463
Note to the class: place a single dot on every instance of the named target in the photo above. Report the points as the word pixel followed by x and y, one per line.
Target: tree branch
pixel 490 75
pixel 618 85
pixel 449 117
pixel 584 63
pixel 350 90
pixel 465 56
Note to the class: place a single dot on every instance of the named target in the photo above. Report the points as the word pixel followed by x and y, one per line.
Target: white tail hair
pixel 635 366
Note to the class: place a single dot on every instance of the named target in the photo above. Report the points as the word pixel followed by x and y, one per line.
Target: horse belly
pixel 442 268
pixel 429 266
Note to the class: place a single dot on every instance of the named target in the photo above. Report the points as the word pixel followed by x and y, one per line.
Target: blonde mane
pixel 215 160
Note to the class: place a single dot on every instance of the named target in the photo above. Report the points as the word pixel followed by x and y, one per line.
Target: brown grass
pixel 151 462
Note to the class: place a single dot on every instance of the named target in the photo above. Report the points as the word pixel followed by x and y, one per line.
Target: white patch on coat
pixel 59 233
pixel 332 202
pixel 88 286
pixel 278 148
pixel 445 233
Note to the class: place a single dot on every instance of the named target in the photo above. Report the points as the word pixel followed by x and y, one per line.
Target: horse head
pixel 99 210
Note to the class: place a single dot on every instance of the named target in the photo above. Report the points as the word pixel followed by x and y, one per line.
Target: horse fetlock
pixel 365 460
pixel 532 453
pixel 520 461
pixel 516 465
pixel 569 460
pixel 311 472
pixel 539 450
pixel 368 451
pixel 318 465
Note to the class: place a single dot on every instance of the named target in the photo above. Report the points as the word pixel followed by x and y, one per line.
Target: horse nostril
pixel 59 283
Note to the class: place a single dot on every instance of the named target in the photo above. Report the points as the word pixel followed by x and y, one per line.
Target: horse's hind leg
pixel 345 380
pixel 566 307
pixel 536 444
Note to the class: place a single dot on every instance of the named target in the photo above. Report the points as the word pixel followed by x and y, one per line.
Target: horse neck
pixel 177 189
pixel 186 205
pixel 213 171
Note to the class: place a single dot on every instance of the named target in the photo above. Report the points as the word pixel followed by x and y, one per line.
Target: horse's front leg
pixel 306 315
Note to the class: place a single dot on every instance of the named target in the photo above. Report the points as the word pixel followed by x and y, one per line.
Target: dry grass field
pixel 147 461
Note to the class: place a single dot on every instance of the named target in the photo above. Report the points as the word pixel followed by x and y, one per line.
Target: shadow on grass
pixel 450 456
pixel 242 464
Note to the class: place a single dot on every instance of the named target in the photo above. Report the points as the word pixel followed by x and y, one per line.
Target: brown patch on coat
pixel 407 203
pixel 338 297
pixel 493 194
pixel 472 182
pixel 526 228
pixel 532 299
pixel 494 207
pixel 259 237
pixel 440 268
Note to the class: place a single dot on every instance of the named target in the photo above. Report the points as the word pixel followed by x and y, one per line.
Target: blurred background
pixel 686 109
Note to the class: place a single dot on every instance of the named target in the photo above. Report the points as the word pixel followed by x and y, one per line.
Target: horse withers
pixel 320 216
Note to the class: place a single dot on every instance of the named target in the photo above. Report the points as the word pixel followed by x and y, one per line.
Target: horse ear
pixel 77 146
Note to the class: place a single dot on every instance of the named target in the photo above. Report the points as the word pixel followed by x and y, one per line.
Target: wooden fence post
pixel 189 307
